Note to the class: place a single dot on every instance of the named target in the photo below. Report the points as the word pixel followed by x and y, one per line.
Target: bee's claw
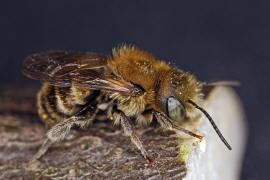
pixel 150 161
pixel 33 164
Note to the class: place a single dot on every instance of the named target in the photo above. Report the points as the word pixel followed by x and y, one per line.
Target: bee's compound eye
pixel 175 109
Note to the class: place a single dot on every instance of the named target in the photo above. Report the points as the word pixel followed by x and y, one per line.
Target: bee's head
pixel 176 89
pixel 179 94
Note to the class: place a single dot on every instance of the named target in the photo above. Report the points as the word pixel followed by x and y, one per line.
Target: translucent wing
pixel 207 87
pixel 222 83
pixel 62 68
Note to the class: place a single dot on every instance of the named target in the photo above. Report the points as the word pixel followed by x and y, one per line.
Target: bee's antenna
pixel 212 122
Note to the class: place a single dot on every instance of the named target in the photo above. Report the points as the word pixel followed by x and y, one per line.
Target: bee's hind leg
pixel 129 131
pixel 60 130
pixel 42 150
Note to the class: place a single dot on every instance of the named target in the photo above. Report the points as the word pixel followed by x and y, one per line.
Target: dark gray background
pixel 215 40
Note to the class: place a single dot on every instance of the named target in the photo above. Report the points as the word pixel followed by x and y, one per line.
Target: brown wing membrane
pixel 62 68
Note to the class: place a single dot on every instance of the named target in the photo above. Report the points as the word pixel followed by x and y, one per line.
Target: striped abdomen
pixel 58 103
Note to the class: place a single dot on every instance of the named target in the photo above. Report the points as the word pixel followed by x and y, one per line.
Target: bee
pixel 129 85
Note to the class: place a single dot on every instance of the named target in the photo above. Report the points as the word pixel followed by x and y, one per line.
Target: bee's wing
pixel 207 87
pixel 62 68
pixel 222 83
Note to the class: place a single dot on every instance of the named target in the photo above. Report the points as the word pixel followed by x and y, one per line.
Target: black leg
pixel 166 123
pixel 129 131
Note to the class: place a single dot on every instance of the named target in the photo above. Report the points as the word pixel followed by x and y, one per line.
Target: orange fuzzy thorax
pixel 156 77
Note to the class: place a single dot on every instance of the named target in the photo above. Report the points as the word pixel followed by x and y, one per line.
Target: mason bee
pixel 130 85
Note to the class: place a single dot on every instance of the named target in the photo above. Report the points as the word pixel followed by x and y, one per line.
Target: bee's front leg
pixel 129 131
pixel 166 123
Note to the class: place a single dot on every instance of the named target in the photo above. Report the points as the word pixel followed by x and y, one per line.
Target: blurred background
pixel 215 40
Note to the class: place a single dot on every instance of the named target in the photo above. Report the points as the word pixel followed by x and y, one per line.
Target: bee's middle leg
pixel 129 131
